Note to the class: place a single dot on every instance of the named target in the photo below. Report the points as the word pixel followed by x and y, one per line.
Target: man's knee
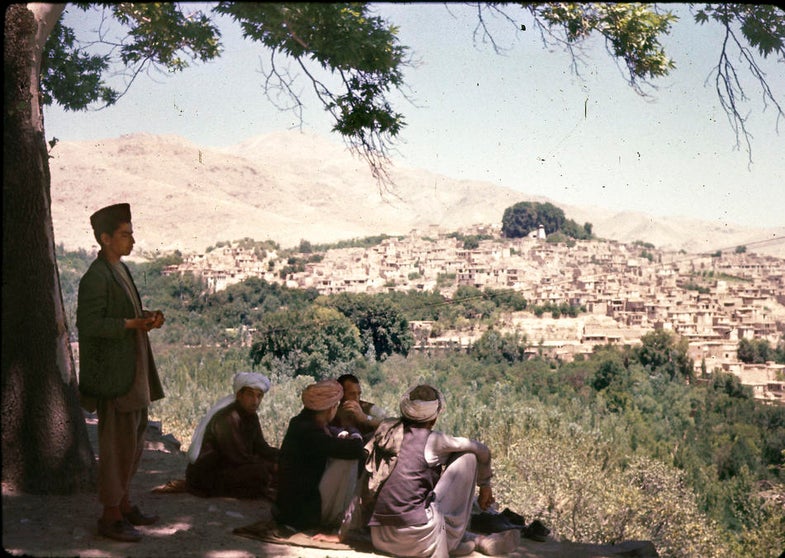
pixel 464 459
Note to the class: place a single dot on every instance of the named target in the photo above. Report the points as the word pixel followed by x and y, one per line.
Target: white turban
pixel 252 380
pixel 241 380
pixel 421 411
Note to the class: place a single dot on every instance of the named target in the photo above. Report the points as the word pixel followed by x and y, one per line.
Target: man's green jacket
pixel 107 350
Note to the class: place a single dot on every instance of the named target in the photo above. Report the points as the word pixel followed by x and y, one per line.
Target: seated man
pixel 229 455
pixel 354 412
pixel 424 484
pixel 317 465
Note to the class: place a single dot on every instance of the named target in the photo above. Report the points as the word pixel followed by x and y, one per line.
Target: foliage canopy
pixel 521 219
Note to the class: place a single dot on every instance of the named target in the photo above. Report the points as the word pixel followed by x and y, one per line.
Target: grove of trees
pixel 759 351
pixel 521 219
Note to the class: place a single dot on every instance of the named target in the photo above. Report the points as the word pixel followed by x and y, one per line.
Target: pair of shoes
pixel 136 517
pixel 514 518
pixel 536 531
pixel 497 544
pixel 120 530
pixel 487 522
pixel 464 548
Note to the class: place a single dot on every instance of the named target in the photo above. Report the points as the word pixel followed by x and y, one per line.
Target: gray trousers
pixel 336 489
pixel 448 516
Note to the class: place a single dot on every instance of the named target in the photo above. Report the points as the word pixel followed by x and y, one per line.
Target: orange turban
pixel 322 395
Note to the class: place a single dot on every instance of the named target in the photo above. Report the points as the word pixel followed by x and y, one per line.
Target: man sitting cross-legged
pixel 229 455
pixel 424 483
pixel 318 465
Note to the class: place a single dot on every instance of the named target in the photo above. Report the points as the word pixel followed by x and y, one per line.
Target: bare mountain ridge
pixel 289 186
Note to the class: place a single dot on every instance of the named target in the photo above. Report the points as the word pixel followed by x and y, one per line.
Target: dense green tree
pixel 524 217
pixel 779 353
pixel 310 342
pixel 521 219
pixel 383 328
pixel 471 303
pixel 771 420
pixel 755 351
pixel 730 385
pixel 247 302
pixel 507 300
pixel 494 346
pixel 664 352
pixel 745 351
pixel 609 371
pixel 574 230
pixel 418 305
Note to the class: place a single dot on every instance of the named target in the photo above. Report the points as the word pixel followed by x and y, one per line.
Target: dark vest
pixel 408 491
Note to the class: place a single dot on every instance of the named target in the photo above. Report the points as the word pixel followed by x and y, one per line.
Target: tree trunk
pixel 45 445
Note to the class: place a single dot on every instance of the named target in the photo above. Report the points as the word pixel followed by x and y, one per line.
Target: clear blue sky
pixel 522 119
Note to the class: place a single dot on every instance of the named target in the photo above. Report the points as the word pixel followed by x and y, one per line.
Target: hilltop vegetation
pixel 521 219
pixel 624 444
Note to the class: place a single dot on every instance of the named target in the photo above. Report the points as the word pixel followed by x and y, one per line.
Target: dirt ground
pixel 190 526
pixel 65 526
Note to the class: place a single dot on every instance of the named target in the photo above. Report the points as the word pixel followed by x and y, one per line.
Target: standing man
pixel 117 376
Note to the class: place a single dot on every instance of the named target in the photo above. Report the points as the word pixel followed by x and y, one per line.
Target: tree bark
pixel 45 445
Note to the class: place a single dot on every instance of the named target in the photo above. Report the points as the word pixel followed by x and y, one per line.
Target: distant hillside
pixel 289 186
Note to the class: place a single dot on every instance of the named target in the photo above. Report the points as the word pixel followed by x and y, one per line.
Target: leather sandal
pixel 120 530
pixel 136 517
pixel 514 518
pixel 536 531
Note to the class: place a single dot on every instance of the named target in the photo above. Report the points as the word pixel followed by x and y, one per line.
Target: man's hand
pixel 485 499
pixel 354 409
pixel 151 320
pixel 139 323
pixel 157 316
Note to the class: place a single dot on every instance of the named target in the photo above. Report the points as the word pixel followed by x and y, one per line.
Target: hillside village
pixel 627 290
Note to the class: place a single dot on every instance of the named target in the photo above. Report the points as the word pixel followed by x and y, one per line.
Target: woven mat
pixel 271 532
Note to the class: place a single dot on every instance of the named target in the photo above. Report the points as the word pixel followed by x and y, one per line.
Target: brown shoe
pixel 136 517
pixel 120 530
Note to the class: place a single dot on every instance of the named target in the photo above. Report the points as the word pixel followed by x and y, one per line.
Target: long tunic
pixel 304 453
pixel 235 460
pixel 412 516
pixel 408 491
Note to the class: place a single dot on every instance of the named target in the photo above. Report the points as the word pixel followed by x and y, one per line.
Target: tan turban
pixel 322 395
pixel 241 380
pixel 421 411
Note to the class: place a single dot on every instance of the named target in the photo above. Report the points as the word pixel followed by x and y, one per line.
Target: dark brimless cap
pixel 107 220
